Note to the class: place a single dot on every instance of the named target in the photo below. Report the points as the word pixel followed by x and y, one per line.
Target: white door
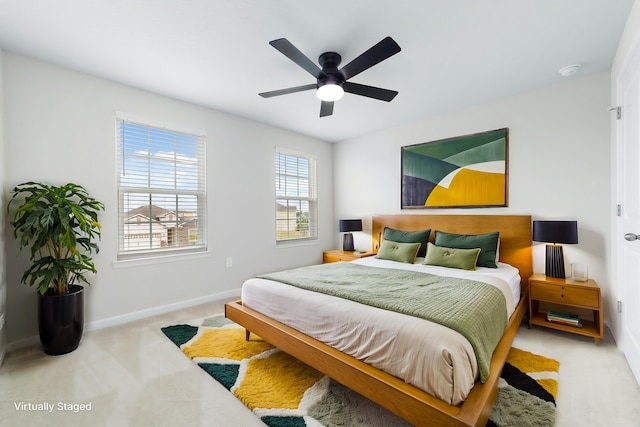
pixel 627 230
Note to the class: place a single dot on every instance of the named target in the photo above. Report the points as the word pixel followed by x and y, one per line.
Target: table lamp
pixel 347 226
pixel 554 233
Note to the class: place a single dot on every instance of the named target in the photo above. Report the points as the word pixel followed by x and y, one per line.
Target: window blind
pixel 296 198
pixel 161 190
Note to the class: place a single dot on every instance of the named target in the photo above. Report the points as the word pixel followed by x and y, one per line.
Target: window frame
pixel 311 198
pixel 199 193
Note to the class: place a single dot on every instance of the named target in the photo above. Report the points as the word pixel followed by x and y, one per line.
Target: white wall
pixel 3 282
pixel 558 164
pixel 60 127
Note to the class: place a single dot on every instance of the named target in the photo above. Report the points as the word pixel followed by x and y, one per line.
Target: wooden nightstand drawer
pixel 337 256
pixel 564 294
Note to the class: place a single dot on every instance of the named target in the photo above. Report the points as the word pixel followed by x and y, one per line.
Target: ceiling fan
pixel 331 81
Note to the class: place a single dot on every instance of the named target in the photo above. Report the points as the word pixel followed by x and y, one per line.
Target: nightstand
pixel 579 298
pixel 339 255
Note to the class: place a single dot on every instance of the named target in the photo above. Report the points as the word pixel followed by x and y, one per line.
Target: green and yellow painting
pixel 465 171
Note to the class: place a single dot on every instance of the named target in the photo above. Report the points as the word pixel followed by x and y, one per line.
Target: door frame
pixel 619 297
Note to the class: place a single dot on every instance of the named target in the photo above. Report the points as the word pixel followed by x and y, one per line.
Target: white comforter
pixel 429 356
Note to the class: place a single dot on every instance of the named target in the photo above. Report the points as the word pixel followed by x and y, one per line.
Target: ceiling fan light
pixel 330 92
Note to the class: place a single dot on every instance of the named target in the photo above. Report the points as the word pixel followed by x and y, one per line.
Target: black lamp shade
pixel 347 226
pixel 555 232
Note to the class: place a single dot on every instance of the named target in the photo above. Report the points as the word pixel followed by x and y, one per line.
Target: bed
pixel 419 404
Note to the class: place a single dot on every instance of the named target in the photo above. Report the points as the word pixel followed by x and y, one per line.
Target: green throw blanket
pixel 474 309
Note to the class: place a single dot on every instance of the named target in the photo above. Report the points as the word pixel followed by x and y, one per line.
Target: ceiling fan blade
pixel 326 108
pixel 288 90
pixel 384 49
pixel 290 51
pixel 370 91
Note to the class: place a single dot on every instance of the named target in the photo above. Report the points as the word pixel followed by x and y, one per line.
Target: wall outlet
pixel 229 262
pixel 2 321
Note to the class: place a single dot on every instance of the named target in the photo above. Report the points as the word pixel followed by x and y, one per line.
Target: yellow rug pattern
pixel 285 392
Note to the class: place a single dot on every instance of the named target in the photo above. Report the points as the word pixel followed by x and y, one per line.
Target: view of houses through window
pixel 296 200
pixel 162 198
pixel 150 226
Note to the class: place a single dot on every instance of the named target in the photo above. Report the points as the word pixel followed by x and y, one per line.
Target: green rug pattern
pixel 284 392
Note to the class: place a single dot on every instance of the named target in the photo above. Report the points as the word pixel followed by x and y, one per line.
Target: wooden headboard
pixel 515 233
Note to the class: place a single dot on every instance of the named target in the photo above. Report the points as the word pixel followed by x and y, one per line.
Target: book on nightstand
pixel 564 318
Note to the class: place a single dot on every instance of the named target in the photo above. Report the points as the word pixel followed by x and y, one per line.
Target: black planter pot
pixel 61 320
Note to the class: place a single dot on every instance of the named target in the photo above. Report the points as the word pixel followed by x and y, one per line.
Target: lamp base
pixel 347 243
pixel 554 265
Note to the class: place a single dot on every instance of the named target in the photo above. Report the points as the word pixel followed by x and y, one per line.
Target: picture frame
pixel 469 171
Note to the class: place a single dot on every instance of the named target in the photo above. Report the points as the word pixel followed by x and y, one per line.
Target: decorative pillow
pixel 488 244
pixel 397 251
pixel 464 259
pixel 401 236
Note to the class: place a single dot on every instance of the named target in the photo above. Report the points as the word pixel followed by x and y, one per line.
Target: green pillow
pixel 464 259
pixel 488 244
pixel 397 251
pixel 401 236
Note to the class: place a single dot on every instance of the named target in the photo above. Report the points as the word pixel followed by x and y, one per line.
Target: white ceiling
pixel 215 53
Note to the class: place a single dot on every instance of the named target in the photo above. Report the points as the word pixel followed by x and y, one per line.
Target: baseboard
pixel 142 314
pixel 3 347
pixel 130 317
pixel 22 343
pixel 607 325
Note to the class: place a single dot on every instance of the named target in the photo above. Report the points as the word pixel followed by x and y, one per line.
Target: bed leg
pixel 247 334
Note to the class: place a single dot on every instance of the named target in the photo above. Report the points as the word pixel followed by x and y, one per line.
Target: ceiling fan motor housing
pixel 329 61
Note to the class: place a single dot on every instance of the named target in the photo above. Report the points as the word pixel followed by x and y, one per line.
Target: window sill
pixel 294 243
pixel 160 259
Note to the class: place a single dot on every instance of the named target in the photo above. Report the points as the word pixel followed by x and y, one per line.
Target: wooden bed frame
pixel 405 400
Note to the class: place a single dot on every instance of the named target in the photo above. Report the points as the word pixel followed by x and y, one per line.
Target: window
pixel 296 199
pixel 161 190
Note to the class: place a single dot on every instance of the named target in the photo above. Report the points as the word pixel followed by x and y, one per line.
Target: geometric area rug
pixel 284 392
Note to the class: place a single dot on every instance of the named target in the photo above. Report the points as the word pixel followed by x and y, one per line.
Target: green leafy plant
pixel 60 225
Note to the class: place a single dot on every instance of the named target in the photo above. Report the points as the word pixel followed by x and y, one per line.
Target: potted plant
pixel 60 227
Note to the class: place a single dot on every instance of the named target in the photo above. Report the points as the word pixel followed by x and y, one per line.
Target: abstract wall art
pixel 467 171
